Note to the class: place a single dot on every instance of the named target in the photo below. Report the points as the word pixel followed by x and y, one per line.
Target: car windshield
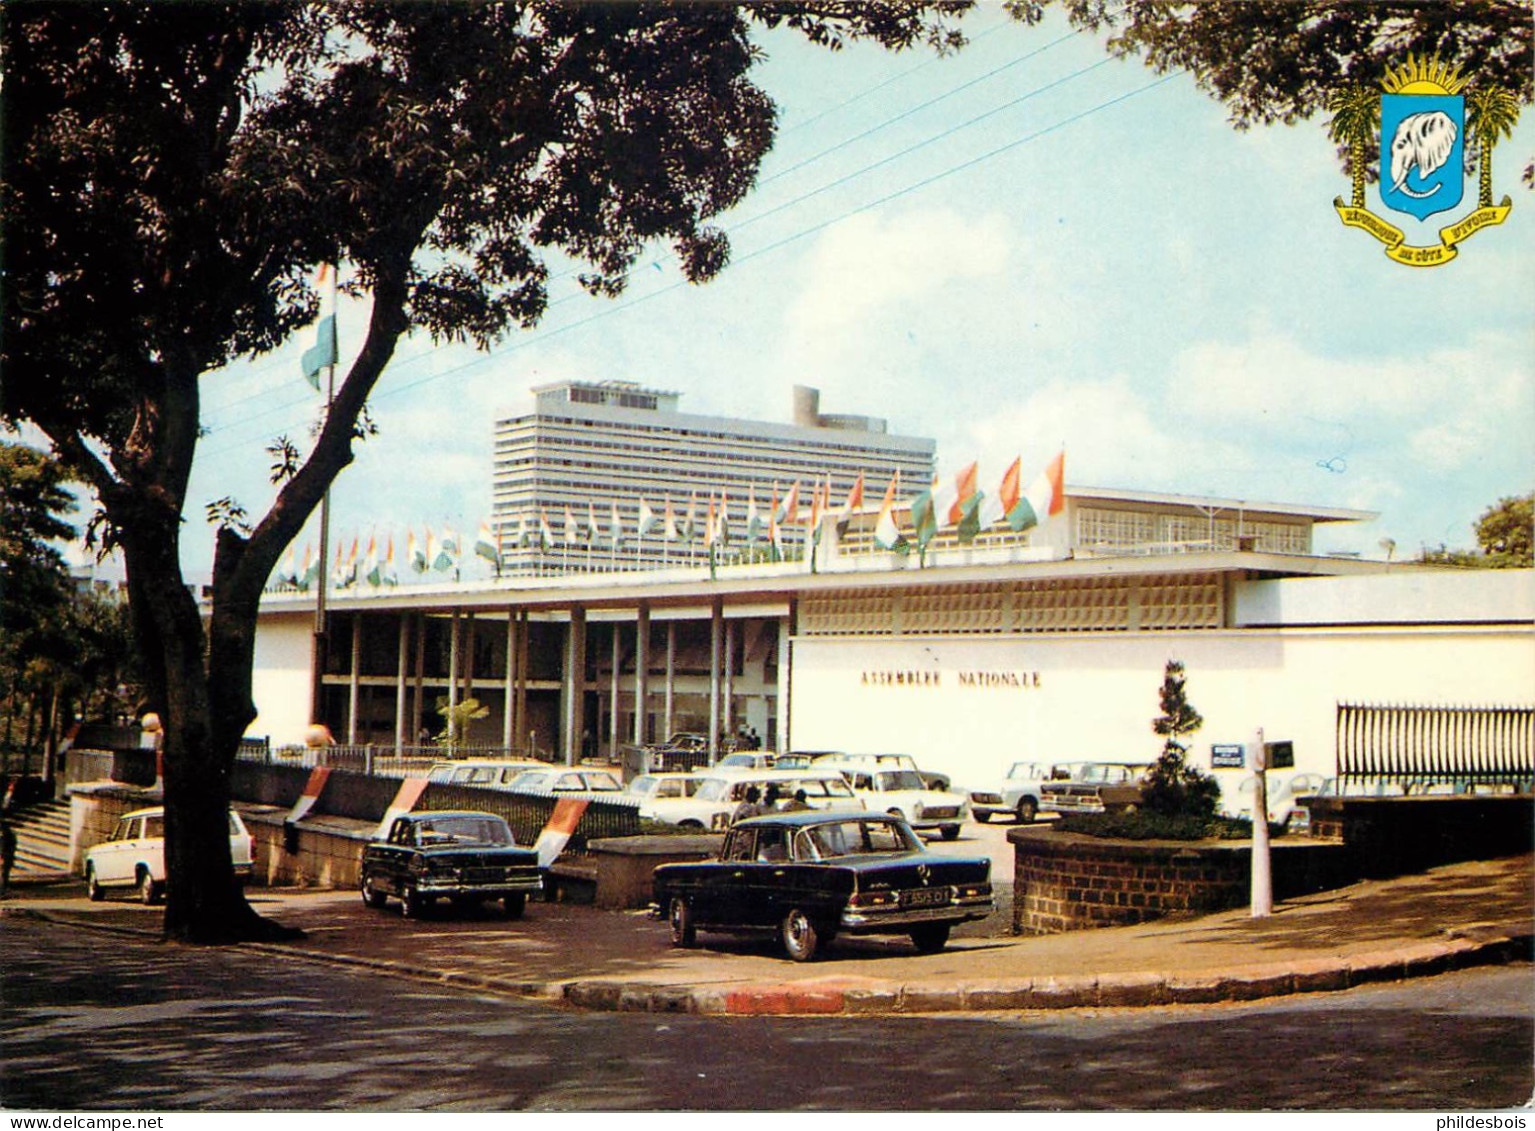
pixel 899 779
pixel 853 837
pixel 1023 770
pixel 478 829
pixel 715 789
pixel 644 785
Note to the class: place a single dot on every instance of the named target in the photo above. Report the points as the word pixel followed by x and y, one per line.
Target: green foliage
pixel 1504 533
pixel 1144 824
pixel 1173 788
pixel 457 720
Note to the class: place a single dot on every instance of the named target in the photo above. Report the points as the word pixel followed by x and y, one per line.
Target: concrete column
pixel 727 708
pixel 354 682
pixel 468 691
pixel 573 683
pixel 522 678
pixel 419 710
pixel 453 663
pixel 671 681
pixel 508 723
pixel 641 671
pixel 402 670
pixel 785 628
pixel 618 659
pixel 716 647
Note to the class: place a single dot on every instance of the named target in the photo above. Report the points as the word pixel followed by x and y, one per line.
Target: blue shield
pixel 1422 152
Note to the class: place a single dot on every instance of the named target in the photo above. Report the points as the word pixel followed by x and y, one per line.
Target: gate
pixel 1463 745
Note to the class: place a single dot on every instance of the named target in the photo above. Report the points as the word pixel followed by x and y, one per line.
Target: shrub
pixel 1173 788
pixel 1144 824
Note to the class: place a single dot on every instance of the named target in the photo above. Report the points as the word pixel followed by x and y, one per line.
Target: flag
pixel 370 566
pixel 287 572
pixel 689 524
pixel 722 530
pixel 815 513
pixel 753 519
pixel 850 505
pixel 311 571
pixel 591 521
pixel 710 534
pixel 389 575
pixel 615 525
pixel 414 554
pixel 545 531
pixel 994 508
pixel 1045 496
pixel 647 520
pixel 522 532
pixel 346 567
pixel 429 556
pixel 447 550
pixel 669 527
pixel 774 539
pixel 788 514
pixel 568 531
pixel 488 544
pixel 887 535
pixel 323 352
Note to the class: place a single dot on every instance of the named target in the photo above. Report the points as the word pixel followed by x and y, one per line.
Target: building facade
pixel 968 658
pixel 592 451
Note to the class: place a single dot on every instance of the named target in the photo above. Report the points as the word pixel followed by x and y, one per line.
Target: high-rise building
pixel 591 451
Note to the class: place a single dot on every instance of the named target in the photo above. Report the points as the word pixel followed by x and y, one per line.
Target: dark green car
pixel 462 855
pixel 810 876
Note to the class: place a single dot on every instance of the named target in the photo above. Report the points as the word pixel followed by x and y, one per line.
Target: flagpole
pixel 319 647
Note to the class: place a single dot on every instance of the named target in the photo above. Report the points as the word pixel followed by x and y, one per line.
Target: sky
pixel 1022 247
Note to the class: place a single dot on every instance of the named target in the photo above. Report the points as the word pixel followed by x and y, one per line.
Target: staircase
pixel 42 839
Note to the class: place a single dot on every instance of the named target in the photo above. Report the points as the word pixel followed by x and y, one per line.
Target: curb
pixel 1480 944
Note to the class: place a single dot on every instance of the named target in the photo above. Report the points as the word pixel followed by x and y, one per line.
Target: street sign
pixel 1279 755
pixel 1228 756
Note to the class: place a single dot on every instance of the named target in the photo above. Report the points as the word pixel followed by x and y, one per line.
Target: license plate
pixel 924 897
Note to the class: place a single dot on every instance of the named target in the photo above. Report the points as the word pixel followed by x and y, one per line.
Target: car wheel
pixel 983 815
pixel 1028 809
pixel 930 938
pixel 148 890
pixel 515 904
pixel 680 916
pixel 413 903
pixel 372 898
pixel 92 888
pixel 949 832
pixel 800 936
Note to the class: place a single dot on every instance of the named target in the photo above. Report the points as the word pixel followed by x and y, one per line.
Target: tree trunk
pixel 1484 178
pixel 1357 161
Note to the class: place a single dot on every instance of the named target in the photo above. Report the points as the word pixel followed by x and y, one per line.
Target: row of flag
pixel 955 503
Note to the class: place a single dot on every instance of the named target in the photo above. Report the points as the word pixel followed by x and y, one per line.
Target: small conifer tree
pixel 1173 787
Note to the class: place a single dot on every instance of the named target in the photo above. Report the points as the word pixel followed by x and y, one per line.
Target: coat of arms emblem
pixel 1427 120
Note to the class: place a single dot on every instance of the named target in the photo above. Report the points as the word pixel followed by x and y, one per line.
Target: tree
pixel 1504 535
pixel 1172 786
pixel 172 175
pixel 1490 114
pixel 1355 120
pixel 1505 532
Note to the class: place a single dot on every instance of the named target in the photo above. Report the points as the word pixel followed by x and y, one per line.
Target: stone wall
pixel 1391 836
pixel 1069 882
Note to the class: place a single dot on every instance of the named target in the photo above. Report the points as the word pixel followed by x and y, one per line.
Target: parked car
pixel 467 856
pixel 488 773
pixel 810 876
pixel 564 779
pixel 930 780
pixel 134 856
pixel 659 795
pixel 1095 787
pixel 762 760
pixel 1283 794
pixel 890 788
pixel 722 791
pixel 1017 795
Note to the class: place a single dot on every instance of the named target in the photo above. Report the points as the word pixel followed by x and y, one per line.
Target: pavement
pixel 577 956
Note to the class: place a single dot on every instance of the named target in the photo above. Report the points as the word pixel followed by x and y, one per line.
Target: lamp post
pixel 1262 873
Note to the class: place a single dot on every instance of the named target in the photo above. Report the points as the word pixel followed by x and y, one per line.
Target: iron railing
pixel 1439 743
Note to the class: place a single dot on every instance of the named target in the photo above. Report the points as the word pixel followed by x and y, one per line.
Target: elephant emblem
pixel 1424 142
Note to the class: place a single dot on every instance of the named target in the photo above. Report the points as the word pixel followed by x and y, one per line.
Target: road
pixel 115 1022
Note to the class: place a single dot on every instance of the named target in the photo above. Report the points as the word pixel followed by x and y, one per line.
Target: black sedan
pixel 810 876
pixel 466 856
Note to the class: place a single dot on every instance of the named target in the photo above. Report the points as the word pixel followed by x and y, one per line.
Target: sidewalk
pixel 1460 915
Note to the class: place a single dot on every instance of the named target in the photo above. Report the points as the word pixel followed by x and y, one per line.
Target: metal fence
pixel 1457 744
pixel 373 759
pixel 527 814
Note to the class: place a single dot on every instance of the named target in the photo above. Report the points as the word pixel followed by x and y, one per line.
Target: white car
pixel 715 802
pixel 564 779
pixel 903 793
pixel 487 773
pixel 1017 795
pixel 134 857
pixel 663 796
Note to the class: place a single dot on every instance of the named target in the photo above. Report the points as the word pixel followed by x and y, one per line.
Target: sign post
pixel 1262 873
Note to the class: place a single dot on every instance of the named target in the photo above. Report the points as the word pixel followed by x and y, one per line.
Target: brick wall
pixel 1070 882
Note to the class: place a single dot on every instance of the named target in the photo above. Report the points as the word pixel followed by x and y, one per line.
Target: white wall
pixel 1096 695
pixel 280 684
